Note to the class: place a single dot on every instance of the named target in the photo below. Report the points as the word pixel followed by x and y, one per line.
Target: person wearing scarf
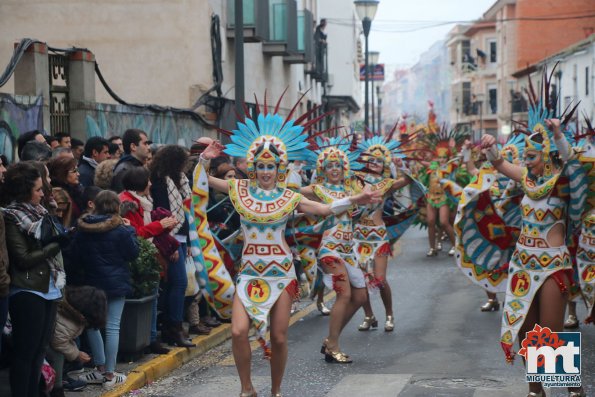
pixel 37 275
pixel 136 207
pixel 170 187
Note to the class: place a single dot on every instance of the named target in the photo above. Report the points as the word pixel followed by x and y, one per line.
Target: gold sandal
pixel 368 322
pixel 492 305
pixel 248 393
pixel 336 357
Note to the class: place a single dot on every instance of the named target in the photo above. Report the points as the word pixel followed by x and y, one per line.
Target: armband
pixel 341 205
pixel 563 148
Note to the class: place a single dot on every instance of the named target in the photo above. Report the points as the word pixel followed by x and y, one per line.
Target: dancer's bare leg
pixel 431 219
pixel 445 223
pixel 380 266
pixel 240 346
pixel 340 308
pixel 280 314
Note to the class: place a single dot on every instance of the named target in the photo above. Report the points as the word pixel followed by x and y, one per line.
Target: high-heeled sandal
pixel 577 393
pixel 492 305
pixel 325 311
pixel 389 325
pixel 533 394
pixel 248 393
pixel 432 252
pixel 323 348
pixel 571 322
pixel 369 322
pixel 336 357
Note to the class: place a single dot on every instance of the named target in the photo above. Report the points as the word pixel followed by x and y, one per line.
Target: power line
pixel 388 26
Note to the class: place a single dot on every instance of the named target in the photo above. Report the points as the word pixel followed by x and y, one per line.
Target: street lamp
pixel 366 9
pixel 374 55
pixel 479 100
pixel 379 95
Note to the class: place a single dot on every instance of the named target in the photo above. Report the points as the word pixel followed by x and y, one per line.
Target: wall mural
pixel 162 127
pixel 18 115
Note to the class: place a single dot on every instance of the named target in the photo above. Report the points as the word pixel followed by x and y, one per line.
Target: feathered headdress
pixel 271 139
pixel 444 141
pixel 542 107
pixel 336 149
pixel 381 148
pixel 513 149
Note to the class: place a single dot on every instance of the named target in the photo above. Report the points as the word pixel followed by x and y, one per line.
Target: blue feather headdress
pixel 271 138
pixel 381 148
pixel 336 149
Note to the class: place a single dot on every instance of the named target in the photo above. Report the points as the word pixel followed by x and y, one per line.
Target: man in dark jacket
pixel 136 151
pixel 96 150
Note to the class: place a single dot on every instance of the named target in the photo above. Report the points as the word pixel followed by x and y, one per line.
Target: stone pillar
pixel 31 77
pixel 81 90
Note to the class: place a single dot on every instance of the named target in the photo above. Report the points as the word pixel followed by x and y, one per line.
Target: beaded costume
pixel 372 240
pixel 337 241
pixel 555 198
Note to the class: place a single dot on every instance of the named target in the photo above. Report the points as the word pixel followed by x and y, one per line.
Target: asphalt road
pixel 442 346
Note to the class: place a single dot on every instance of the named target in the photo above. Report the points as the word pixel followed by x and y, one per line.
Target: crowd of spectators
pixel 71 214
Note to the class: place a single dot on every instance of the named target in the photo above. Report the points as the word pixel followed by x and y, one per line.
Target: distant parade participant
pixel 540 269
pixel 266 284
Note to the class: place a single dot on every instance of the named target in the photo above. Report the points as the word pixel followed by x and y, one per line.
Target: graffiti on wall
pixel 165 127
pixel 18 114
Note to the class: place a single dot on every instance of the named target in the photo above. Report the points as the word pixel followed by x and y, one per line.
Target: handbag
pixel 193 287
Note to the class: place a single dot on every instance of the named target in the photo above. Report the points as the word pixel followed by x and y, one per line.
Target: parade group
pixel 326 207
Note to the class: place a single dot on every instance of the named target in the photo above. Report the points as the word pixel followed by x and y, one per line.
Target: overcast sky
pixel 394 17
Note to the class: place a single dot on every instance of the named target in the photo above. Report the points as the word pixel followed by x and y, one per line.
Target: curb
pixel 161 366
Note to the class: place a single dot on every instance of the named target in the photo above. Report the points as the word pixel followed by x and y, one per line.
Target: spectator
pixel 116 140
pixel 77 148
pixel 52 141
pixel 170 187
pixel 104 174
pixel 48 201
pixel 81 307
pixel 35 151
pixel 136 151
pixel 105 245
pixel 64 174
pixel 114 151
pixel 137 207
pixel 63 139
pixel 96 151
pixel 89 195
pixel 63 209
pixel 62 151
pixel 2 169
pixel 34 135
pixel 37 276
pixel 241 166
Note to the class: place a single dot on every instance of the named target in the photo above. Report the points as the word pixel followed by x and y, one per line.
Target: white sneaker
pixel 117 380
pixel 451 252
pixel 93 377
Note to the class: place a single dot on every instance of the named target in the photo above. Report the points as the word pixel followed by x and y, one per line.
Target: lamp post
pixel 379 95
pixel 366 9
pixel 374 55
pixel 479 98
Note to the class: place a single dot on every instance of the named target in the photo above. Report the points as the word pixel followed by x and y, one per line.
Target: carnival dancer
pixel 540 269
pixel 370 236
pixel 266 283
pixel 340 271
pixel 488 221
pixel 438 205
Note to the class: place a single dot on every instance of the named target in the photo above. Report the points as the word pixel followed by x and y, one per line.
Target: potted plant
pixel 135 329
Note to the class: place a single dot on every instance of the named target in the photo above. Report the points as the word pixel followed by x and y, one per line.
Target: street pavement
pixel 442 346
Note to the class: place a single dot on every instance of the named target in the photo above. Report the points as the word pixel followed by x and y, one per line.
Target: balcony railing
pixel 254 31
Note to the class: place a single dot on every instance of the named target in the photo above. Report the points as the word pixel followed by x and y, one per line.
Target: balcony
pixel 253 29
pixel 281 38
pixel 305 40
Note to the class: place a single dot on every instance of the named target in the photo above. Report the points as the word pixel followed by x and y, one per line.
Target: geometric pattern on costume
pixel 484 242
pixel 267 262
pixel 337 241
pixel 585 260
pixel 220 290
pixel 533 261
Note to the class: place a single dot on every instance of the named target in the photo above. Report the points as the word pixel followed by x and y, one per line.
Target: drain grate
pixel 459 383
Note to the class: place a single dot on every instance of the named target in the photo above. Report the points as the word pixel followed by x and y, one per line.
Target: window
pixel 466 51
pixel 493 99
pixel 493 51
pixel 467 98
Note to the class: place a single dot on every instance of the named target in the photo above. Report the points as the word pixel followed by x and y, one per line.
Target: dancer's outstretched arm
pixel 514 172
